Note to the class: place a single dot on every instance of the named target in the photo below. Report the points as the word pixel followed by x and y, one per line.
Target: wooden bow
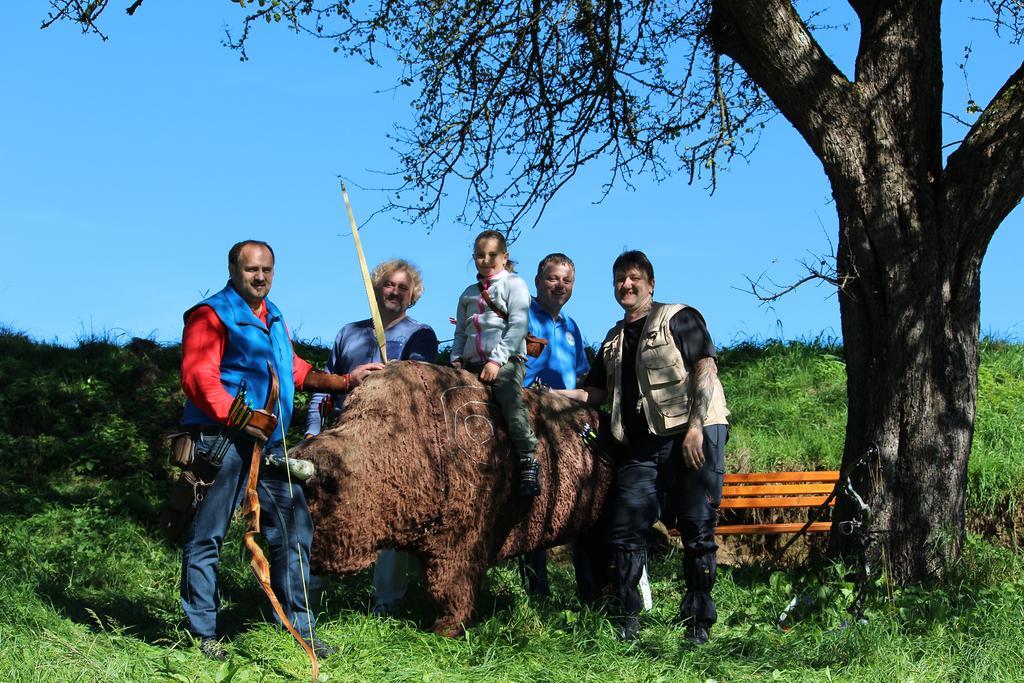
pixel 251 510
pixel 378 323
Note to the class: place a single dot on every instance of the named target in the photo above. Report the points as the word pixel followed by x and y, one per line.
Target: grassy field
pixel 89 588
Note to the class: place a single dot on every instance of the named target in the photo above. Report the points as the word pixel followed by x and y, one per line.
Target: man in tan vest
pixel 668 420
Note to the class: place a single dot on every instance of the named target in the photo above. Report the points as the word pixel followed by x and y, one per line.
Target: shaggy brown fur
pixel 420 462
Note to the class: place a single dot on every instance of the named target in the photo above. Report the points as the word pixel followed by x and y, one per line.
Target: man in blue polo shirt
pixel 564 360
pixel 562 364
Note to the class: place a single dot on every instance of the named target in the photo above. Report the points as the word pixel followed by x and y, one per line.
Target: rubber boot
pixel 697 610
pixel 629 566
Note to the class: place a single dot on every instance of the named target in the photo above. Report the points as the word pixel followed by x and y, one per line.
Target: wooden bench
pixel 765 490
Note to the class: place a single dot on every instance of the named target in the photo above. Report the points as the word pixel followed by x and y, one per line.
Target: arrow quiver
pixel 199 469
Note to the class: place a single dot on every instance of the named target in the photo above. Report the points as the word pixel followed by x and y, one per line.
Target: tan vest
pixel 665 384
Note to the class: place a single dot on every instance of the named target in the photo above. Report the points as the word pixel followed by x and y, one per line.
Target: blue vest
pixel 250 344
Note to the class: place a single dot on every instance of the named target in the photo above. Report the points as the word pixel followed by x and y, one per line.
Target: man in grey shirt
pixel 398 286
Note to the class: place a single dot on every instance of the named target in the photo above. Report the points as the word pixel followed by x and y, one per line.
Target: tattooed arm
pixel 705 371
pixel 694 343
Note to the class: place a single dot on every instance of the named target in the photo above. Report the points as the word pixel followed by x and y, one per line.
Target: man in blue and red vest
pixel 228 341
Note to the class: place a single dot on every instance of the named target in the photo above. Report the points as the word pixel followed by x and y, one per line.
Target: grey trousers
pixel 390 581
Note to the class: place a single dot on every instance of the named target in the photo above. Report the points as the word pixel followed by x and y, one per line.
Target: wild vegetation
pixel 89 586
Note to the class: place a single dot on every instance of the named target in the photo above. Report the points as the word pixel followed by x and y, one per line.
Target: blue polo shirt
pixel 564 358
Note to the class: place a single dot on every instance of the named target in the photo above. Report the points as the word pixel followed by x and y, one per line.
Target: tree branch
pixel 1007 18
pixel 84 13
pixel 772 44
pixel 774 291
pixel 817 268
pixel 902 94
pixel 984 178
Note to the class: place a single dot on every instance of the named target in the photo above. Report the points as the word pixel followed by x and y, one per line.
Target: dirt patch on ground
pixel 1004 527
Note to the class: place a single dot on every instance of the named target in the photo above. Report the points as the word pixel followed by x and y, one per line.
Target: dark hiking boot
pixel 384 610
pixel 529 478
pixel 321 649
pixel 627 628
pixel 533 571
pixel 697 632
pixel 213 649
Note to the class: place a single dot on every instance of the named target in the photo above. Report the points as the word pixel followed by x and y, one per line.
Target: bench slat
pixel 782 502
pixel 765 529
pixel 780 477
pixel 782 490
pixel 774 489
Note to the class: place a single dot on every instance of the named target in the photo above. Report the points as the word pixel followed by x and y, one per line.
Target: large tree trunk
pixel 912 238
pixel 910 333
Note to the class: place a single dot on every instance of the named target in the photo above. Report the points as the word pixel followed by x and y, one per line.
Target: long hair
pixel 510 266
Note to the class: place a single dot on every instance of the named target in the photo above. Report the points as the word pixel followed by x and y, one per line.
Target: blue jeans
pixel 284 522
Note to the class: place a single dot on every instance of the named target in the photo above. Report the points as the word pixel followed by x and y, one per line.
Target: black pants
pixel 652 483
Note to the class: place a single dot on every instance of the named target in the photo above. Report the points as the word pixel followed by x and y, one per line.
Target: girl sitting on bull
pixel 490 339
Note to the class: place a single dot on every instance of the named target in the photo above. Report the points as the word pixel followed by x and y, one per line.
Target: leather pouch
pixel 183 498
pixel 264 422
pixel 535 345
pixel 182 449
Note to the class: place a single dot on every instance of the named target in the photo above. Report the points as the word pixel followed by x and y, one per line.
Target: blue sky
pixel 128 168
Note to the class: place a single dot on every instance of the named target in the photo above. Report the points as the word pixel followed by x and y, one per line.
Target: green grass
pixel 91 594
pixel 996 467
pixel 89 588
pixel 788 405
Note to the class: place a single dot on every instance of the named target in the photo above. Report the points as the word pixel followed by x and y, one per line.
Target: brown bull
pixel 420 462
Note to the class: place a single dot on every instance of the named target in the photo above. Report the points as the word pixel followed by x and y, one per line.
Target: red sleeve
pixel 202 348
pixel 300 368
